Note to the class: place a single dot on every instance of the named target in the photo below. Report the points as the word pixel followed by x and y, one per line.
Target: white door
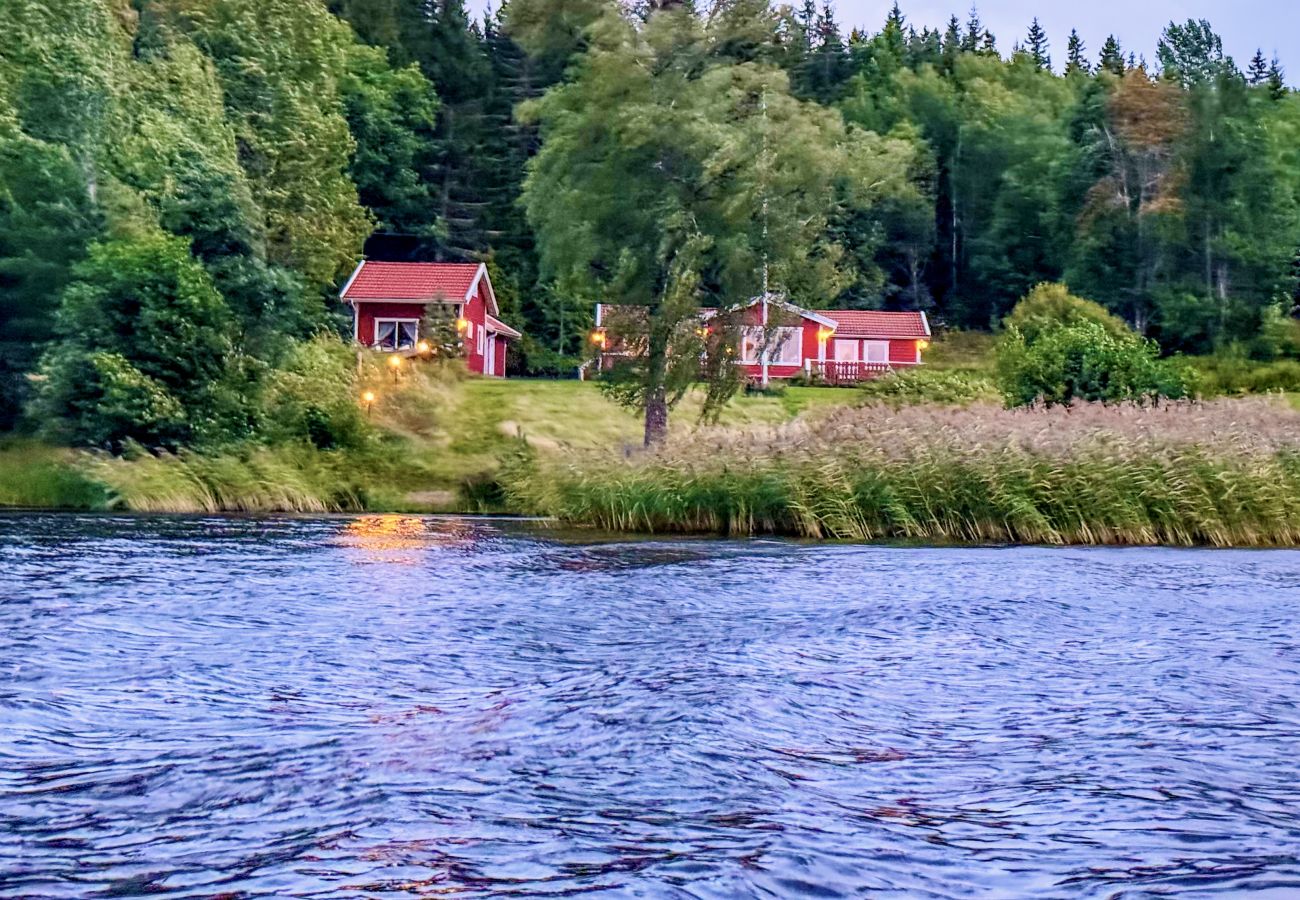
pixel 491 367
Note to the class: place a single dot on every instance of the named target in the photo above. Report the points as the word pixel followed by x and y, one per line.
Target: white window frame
pixel 398 323
pixel 846 350
pixel 875 352
pixel 785 348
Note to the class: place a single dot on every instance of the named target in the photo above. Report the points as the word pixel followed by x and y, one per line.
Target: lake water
pixel 395 706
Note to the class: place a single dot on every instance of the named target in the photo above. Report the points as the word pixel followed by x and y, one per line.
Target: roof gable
pixel 417 282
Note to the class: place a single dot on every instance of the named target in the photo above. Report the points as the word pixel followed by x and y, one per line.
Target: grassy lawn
pixel 459 433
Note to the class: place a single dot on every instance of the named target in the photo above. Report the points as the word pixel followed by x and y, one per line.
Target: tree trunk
pixel 656 416
pixel 656 387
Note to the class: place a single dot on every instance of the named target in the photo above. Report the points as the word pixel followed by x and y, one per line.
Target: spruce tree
pixel 1257 73
pixel 1276 80
pixel 1037 46
pixel 989 45
pixel 970 42
pixel 823 74
pixel 1112 57
pixel 952 44
pixel 1077 63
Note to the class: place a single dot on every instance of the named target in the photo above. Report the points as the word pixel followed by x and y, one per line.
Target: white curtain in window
pixel 846 351
pixel 877 351
pixel 408 332
pixel 386 334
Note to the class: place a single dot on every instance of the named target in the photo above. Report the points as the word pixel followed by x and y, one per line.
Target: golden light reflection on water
pixel 394 539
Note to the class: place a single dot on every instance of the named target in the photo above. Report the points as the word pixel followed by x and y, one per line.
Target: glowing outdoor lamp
pixel 423 347
pixel 599 338
pixel 825 334
pixel 922 345
pixel 368 398
pixel 462 325
pixel 394 363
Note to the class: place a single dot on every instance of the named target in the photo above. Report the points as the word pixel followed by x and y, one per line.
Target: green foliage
pixel 144 340
pixel 313 397
pixel 1048 306
pixel 33 475
pixel 1084 362
pixel 926 385
pixel 1233 374
pixel 656 164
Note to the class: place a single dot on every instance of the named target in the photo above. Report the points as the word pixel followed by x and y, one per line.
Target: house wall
pixel 367 312
pixel 903 353
pixel 475 311
pixel 501 349
pixel 475 338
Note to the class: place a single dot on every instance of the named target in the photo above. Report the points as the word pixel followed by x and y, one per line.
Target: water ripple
pixel 399 706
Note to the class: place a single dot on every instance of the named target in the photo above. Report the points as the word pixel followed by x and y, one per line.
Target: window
pixel 876 351
pixel 846 351
pixel 784 347
pixel 396 334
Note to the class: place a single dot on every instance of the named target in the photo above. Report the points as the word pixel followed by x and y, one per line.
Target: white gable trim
pixel 355 272
pixel 481 275
pixel 925 320
pixel 775 300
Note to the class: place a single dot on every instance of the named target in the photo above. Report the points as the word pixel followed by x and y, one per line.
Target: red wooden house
pixel 832 346
pixel 389 299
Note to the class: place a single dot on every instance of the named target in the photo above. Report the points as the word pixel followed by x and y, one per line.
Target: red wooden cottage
pixel 832 346
pixel 388 299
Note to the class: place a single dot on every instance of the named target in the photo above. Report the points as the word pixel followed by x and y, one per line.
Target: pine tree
pixel 1037 46
pixel 989 45
pixel 1112 57
pixel 1257 74
pixel 1077 63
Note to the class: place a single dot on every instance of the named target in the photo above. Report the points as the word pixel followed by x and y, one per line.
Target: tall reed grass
pixel 1221 474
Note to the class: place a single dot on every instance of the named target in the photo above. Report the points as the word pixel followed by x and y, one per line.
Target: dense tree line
pixel 183 183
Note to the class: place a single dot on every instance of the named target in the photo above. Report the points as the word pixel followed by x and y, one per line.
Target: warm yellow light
pixel 423 346
pixel 922 345
pixel 368 397
pixel 462 324
pixel 825 334
pixel 598 338
pixel 394 360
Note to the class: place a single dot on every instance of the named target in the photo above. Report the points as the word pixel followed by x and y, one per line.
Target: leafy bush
pixel 1233 373
pixel 922 385
pixel 1049 306
pixel 1084 361
pixel 1060 348
pixel 314 397
pixel 143 338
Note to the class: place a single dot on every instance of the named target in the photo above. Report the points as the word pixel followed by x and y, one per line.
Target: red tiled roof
pixel 411 281
pixel 849 323
pixel 495 324
pixel 861 323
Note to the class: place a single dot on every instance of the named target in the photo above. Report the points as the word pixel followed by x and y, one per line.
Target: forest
pixel 184 184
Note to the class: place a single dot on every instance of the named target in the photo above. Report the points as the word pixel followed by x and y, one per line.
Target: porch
pixel 844 372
